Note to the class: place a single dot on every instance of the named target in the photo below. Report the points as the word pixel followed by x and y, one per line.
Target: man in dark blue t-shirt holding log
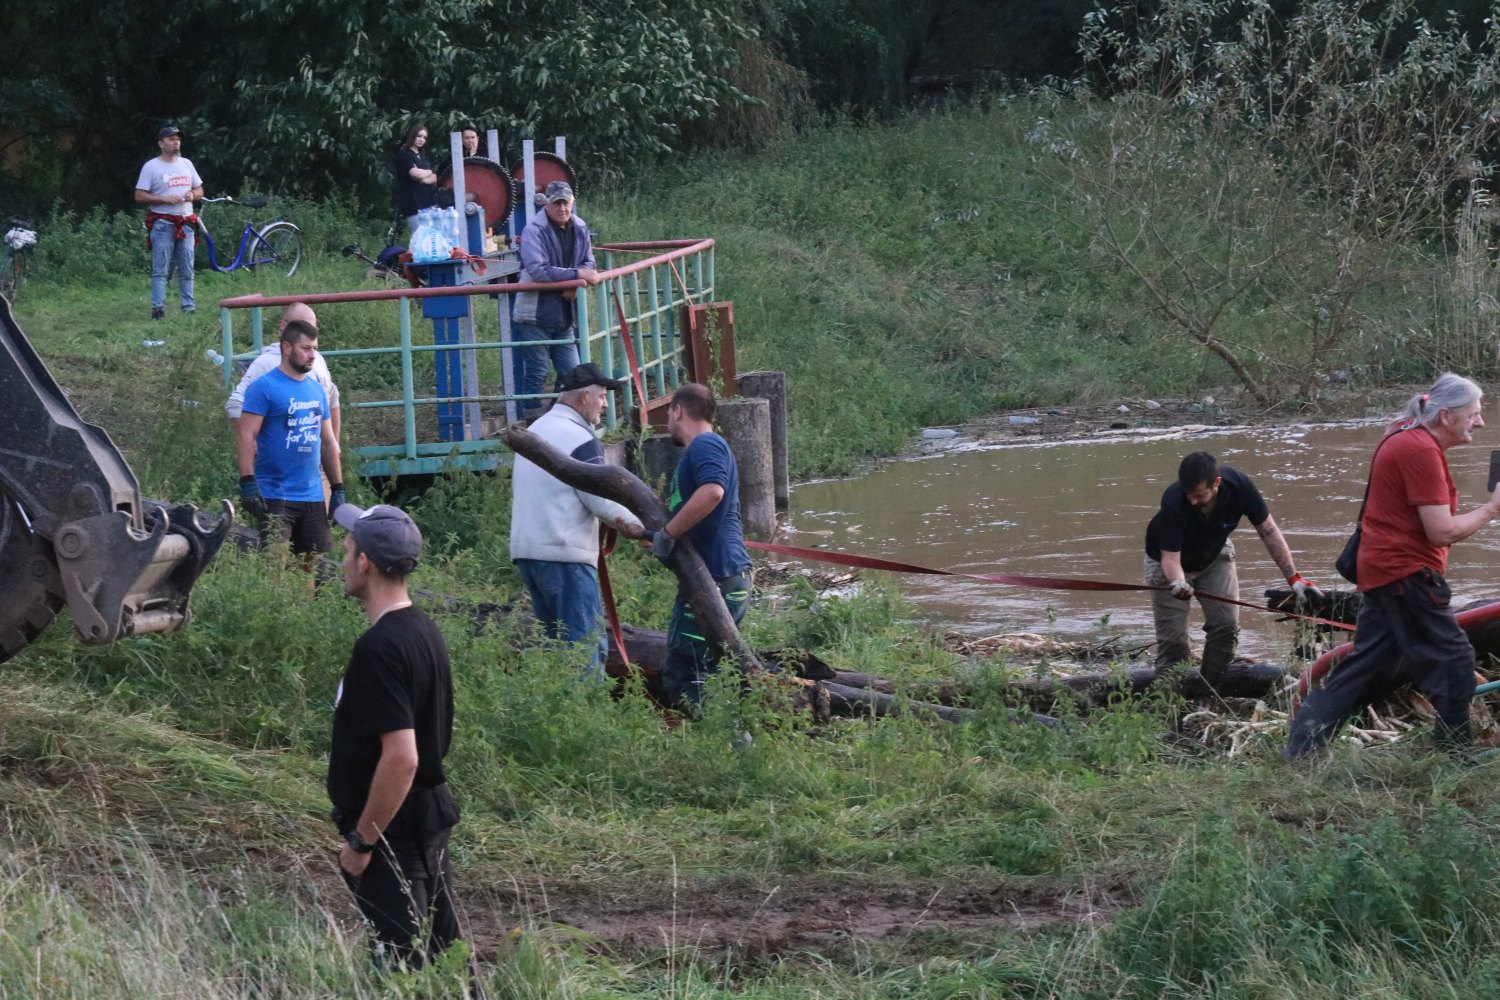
pixel 704 505
pixel 1188 548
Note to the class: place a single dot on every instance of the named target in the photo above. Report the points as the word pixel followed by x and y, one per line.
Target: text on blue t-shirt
pixel 288 449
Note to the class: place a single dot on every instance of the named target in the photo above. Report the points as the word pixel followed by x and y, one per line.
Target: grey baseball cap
pixel 385 534
pixel 168 132
pixel 558 191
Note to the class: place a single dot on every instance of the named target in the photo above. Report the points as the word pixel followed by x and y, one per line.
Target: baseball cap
pixel 558 191
pixel 588 374
pixel 168 132
pixel 386 535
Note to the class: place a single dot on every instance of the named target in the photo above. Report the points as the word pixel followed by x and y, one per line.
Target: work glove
pixel 250 499
pixel 335 499
pixel 1306 590
pixel 1181 589
pixel 662 545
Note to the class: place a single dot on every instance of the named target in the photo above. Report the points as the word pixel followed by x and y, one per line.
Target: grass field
pixel 162 826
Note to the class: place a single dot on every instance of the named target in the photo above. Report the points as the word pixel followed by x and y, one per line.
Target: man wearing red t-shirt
pixel 1410 519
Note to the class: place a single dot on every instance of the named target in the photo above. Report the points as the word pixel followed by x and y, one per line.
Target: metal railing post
pixel 581 329
pixel 408 381
pixel 226 324
pixel 653 298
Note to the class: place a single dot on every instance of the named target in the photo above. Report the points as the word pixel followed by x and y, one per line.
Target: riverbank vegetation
pixel 161 815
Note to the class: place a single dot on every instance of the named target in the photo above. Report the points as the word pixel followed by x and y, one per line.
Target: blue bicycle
pixel 274 245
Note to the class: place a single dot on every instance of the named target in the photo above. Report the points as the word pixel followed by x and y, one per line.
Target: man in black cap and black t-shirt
pixel 392 725
pixel 1188 546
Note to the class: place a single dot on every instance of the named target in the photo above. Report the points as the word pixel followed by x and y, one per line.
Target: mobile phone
pixel 1494 469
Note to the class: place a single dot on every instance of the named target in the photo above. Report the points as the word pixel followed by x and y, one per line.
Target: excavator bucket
pixel 73 526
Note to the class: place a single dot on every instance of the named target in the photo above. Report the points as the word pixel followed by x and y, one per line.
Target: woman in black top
pixel 416 181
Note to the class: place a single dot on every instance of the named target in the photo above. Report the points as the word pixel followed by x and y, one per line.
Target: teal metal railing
pixel 644 289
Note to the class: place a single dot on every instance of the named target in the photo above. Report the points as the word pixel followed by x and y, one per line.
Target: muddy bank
pixel 1139 414
pixel 789 915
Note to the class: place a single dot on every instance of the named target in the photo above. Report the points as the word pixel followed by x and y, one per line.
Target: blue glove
pixel 251 500
pixel 662 545
pixel 335 499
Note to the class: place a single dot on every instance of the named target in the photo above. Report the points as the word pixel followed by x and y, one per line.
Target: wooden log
pixel 845 700
pixel 615 483
pixel 1092 689
pixel 1254 680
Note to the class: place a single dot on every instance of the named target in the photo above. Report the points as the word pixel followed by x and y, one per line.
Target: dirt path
pixel 790 915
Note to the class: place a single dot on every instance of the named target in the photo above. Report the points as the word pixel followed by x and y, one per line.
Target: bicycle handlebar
pixel 259 201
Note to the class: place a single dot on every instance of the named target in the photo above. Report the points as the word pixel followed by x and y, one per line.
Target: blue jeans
pixel 691 657
pixel 535 362
pixel 565 599
pixel 164 248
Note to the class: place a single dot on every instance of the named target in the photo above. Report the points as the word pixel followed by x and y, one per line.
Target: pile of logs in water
pixel 828 691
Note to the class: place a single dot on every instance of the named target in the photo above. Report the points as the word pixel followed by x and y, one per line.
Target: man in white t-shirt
pixel 170 184
pixel 270 358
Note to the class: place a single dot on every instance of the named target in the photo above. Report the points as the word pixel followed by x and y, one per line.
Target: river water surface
pixel 1080 509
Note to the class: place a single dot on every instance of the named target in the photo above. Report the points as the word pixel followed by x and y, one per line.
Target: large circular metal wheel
pixel 31 591
pixel 488 183
pixel 547 167
pixel 277 247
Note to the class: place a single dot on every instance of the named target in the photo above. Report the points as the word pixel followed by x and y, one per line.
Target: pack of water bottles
pixel 439 230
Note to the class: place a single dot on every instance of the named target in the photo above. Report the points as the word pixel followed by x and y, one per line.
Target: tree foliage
pixel 309 96
pixel 1277 176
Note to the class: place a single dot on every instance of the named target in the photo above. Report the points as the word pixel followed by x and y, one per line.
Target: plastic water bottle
pixel 455 224
pixel 215 357
pixel 430 244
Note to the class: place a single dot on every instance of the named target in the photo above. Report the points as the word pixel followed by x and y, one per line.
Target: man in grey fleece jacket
pixel 554 528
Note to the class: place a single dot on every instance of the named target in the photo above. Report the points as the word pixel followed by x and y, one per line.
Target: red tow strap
pixel 1040 582
pixel 607 538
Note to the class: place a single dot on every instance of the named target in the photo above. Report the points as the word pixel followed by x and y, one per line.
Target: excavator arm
pixel 73 526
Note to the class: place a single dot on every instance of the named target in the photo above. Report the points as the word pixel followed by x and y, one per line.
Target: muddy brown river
pixel 1079 509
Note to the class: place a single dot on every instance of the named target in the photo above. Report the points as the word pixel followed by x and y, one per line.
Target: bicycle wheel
pixel 277 246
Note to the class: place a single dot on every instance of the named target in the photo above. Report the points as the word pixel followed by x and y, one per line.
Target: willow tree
pixel 1287 193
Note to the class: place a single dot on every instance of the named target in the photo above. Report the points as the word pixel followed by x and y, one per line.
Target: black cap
pixel 586 375
pixel 167 132
pixel 387 536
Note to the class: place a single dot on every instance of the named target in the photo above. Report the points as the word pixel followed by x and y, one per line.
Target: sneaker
pixel 158 312
pixel 188 312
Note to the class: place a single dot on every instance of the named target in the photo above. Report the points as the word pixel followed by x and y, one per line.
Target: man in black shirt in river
pixel 1188 546
pixel 392 725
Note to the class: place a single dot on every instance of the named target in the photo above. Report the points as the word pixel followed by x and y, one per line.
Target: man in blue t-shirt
pixel 284 431
pixel 705 507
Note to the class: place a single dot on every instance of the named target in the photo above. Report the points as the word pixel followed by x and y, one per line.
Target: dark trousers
pixel 1409 618
pixel 303 523
pixel 691 657
pixel 407 896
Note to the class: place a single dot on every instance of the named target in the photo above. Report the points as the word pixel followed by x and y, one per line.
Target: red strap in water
pixel 1042 582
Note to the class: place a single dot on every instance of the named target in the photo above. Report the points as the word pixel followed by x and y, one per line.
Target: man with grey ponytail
pixel 1410 519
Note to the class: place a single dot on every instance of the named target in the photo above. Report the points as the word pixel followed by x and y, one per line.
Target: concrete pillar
pixel 771 386
pixel 654 461
pixel 746 425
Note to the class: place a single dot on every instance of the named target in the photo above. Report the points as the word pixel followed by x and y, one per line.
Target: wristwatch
pixel 357 844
